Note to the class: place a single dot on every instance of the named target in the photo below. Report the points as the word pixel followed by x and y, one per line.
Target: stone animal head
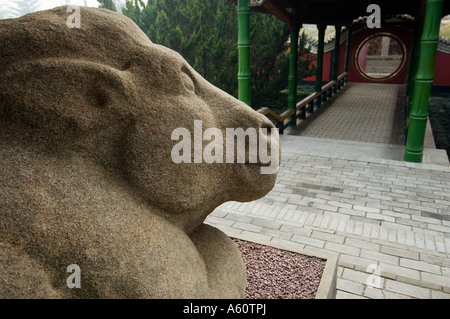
pixel 86 116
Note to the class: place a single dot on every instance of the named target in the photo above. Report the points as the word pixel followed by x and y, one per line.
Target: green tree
pixel 133 11
pixel 205 34
pixel 107 4
pixel 269 66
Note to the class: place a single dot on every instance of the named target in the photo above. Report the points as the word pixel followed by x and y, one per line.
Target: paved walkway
pixel 359 112
pixel 369 113
pixel 387 220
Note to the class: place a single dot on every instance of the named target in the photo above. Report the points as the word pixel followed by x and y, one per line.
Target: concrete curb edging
pixel 327 286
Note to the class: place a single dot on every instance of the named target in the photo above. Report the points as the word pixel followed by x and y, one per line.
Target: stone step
pixel 256 216
pixel 354 150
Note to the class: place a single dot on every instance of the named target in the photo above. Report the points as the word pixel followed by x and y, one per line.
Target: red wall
pixel 441 70
pixel 359 36
pixel 326 68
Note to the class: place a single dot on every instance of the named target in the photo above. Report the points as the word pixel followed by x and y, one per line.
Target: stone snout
pixel 258 146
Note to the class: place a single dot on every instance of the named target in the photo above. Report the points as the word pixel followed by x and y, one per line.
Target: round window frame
pixel 392 75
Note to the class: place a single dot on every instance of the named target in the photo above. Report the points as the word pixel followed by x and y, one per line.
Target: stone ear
pixel 63 94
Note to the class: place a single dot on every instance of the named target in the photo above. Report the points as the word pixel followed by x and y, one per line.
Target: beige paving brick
pixel 255 237
pixel 346 295
pixel 362 243
pixel 420 265
pixel 266 223
pixel 374 255
pixel 358 263
pixel 350 286
pixel 328 237
pixel 367 229
pixel 361 277
pixel 407 289
pixel 366 209
pixel 351 212
pixel 246 226
pixel 374 293
pixel 276 233
pixel 220 221
pixel 438 280
pixel 308 241
pixel 400 252
pixel 400 273
pixel 342 248
pixel 439 295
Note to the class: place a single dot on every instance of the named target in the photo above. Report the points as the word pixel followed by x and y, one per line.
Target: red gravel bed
pixel 279 274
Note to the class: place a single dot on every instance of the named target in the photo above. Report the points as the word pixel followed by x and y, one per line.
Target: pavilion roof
pixel 335 12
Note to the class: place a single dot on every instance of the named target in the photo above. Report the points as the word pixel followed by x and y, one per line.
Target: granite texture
pixel 86 175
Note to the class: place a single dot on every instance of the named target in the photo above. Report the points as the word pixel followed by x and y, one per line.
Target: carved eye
pixel 187 80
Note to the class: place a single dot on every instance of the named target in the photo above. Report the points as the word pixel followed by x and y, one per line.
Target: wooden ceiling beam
pixel 280 12
pixel 334 12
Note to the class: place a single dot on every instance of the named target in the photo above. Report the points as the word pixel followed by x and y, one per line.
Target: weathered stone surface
pixel 86 175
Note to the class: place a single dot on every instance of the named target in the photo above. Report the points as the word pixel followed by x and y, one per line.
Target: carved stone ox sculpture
pixel 86 176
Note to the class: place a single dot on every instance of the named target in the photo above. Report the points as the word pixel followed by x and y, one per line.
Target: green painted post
pixel 415 52
pixel 244 52
pixel 319 64
pixel 292 79
pixel 412 68
pixel 347 50
pixel 423 82
pixel 337 46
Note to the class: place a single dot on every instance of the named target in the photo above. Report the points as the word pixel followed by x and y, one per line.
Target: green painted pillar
pixel 423 82
pixel 336 53
pixel 414 62
pixel 319 64
pixel 244 52
pixel 412 68
pixel 347 49
pixel 292 84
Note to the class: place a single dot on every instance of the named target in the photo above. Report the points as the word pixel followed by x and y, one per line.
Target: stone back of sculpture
pixel 86 176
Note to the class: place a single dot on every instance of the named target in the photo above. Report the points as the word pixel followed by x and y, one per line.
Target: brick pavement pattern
pixel 382 217
pixel 374 107
pixel 387 220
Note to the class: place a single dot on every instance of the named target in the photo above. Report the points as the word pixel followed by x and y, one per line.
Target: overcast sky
pixel 15 8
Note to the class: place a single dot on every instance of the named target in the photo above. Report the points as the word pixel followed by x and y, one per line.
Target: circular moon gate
pixel 380 57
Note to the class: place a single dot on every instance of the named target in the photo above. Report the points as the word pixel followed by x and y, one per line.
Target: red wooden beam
pixel 281 13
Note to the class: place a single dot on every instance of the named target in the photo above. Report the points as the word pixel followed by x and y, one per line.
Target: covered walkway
pixel 412 25
pixel 365 112
pixel 370 118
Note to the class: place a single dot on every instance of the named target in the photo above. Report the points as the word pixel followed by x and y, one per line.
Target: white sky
pixel 49 4
pixel 10 9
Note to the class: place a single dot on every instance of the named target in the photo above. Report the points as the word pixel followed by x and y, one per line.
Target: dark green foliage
pixel 440 120
pixel 107 4
pixel 205 34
